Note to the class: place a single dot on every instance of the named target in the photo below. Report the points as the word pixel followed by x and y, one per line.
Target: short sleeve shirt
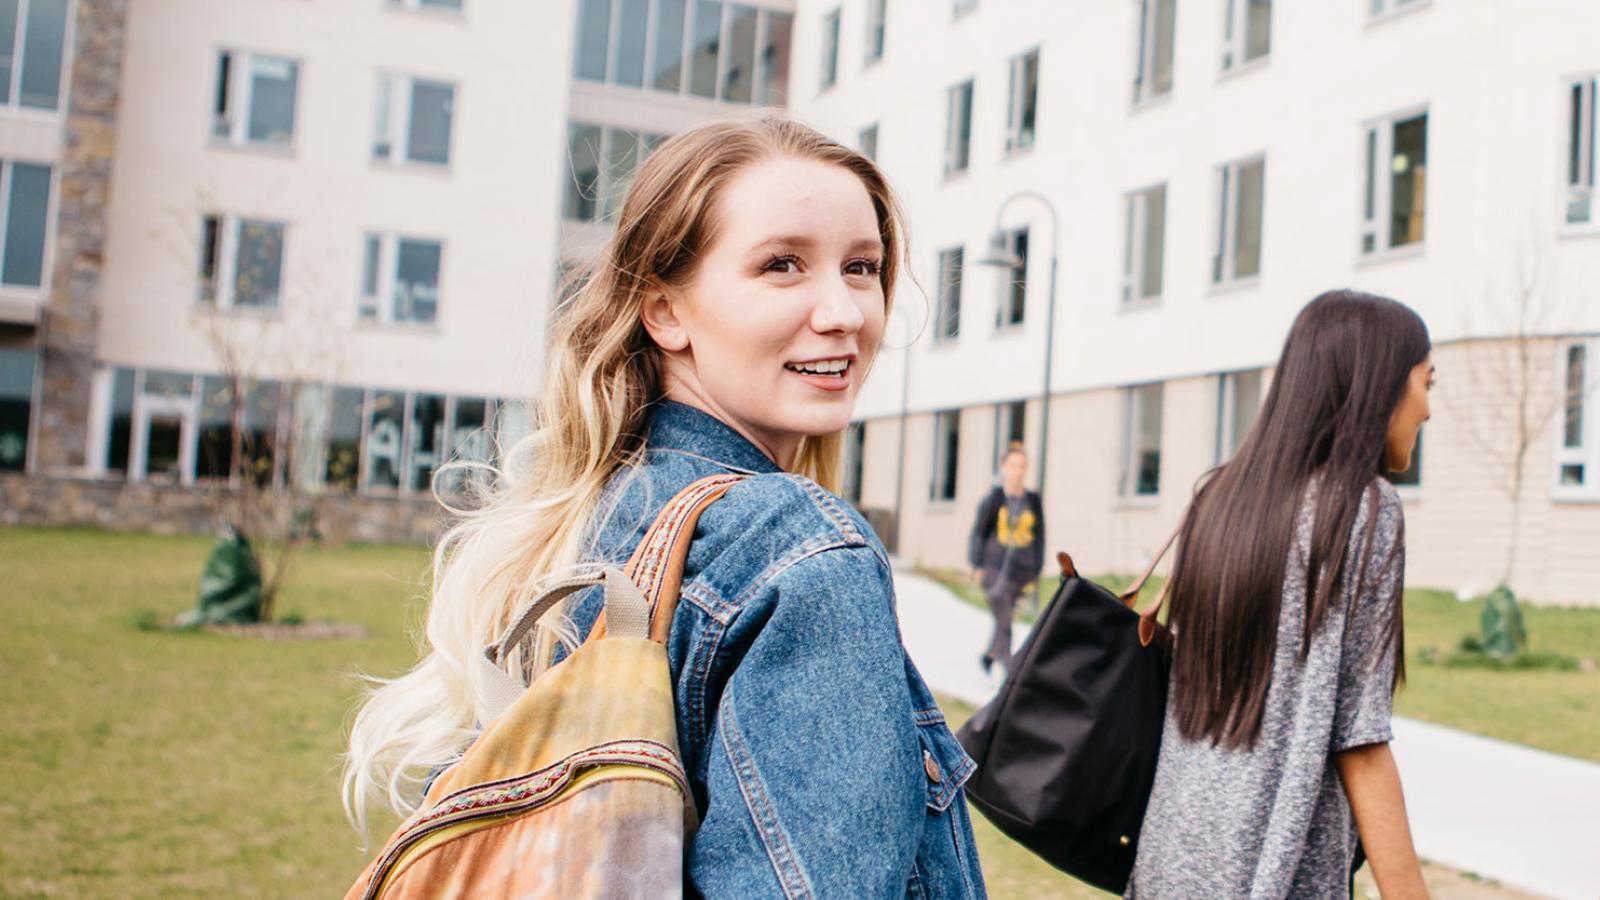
pixel 1273 820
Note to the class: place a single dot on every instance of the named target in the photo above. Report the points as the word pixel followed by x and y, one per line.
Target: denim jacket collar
pixel 681 428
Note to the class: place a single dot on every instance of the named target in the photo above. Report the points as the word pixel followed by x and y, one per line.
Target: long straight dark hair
pixel 1342 373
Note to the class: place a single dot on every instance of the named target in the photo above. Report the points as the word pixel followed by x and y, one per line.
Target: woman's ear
pixel 659 311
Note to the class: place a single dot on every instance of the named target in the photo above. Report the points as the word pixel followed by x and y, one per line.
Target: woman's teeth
pixel 826 367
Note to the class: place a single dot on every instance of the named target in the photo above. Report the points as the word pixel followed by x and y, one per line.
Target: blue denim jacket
pixel 820 763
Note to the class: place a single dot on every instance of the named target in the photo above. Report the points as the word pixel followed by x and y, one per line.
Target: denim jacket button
pixel 931 767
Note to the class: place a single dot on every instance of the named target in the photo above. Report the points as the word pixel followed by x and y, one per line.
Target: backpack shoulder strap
pixel 640 602
pixel 657 563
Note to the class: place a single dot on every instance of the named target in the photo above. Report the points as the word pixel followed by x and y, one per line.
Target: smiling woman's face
pixel 779 323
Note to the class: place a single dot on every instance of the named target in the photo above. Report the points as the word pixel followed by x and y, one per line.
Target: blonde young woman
pixel 727 327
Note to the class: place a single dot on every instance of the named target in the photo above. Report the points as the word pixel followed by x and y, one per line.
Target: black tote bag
pixel 1066 751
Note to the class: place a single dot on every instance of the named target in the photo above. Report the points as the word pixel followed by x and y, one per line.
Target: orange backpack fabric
pixel 576 789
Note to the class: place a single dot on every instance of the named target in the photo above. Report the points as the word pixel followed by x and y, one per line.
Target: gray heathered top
pixel 1273 821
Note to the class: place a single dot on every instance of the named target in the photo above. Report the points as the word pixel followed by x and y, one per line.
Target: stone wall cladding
pixel 70 318
pixel 177 509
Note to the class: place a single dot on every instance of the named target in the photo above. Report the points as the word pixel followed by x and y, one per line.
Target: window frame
pixel 33 399
pixel 832 24
pixel 867 141
pixel 1145 89
pixel 853 465
pixel 1579 187
pixel 1225 223
pixel 958 102
pixel 947 308
pixel 426 7
pixel 946 437
pixel 610 185
pixel 1013 287
pixel 387 278
pixel 402 90
pixel 225 264
pixel 1375 201
pixel 238 99
pixel 1587 451
pixel 1132 414
pixel 1236 37
pixel 12 101
pixel 1008 415
pixel 1384 10
pixel 51 211
pixel 877 37
pixel 1020 135
pixel 1136 212
pixel 1227 411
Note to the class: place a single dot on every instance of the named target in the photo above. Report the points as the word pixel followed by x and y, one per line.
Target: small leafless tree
pixel 1511 403
pixel 271 366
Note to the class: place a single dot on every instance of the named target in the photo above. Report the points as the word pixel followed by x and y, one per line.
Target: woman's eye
pixel 785 265
pixel 861 267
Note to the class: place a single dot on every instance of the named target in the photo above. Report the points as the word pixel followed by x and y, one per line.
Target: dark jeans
pixel 1002 593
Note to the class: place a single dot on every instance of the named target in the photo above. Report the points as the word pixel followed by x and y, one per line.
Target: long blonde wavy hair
pixel 589 417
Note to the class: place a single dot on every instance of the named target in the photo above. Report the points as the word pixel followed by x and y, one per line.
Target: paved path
pixel 1523 817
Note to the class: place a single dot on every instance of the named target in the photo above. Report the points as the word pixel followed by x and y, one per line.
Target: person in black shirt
pixel 1006 550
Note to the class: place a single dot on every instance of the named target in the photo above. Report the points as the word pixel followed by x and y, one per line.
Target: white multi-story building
pixel 363 208
pixel 326 233
pixel 1194 171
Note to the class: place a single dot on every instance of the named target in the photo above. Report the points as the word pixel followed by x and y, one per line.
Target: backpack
pixel 576 788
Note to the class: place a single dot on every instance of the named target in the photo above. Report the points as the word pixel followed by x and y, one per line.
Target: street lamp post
pixel 1000 255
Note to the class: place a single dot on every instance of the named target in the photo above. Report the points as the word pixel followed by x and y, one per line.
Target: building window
pixel 405 270
pixel 1247 32
pixel 24 222
pixel 255 99
pixel 958 127
pixel 1158 21
pixel 1143 246
pixel 413 120
pixel 1141 440
pixel 16 407
pixel 1022 109
pixel 1013 305
pixel 1236 254
pixel 962 7
pixel 733 52
pixel 241 262
pixel 1377 8
pixel 855 453
pixel 1395 184
pixel 1238 404
pixel 32 51
pixel 1581 133
pixel 948 320
pixel 1010 428
pixel 877 11
pixel 602 164
pixel 772 88
pixel 1578 425
pixel 946 454
pixel 830 48
pixel 869 142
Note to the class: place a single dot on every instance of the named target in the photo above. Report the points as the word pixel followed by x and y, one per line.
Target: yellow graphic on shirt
pixel 1018 536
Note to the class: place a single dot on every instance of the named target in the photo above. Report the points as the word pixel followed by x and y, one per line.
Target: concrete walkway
pixel 1525 818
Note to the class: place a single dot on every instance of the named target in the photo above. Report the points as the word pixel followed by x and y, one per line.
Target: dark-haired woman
pixel 1275 771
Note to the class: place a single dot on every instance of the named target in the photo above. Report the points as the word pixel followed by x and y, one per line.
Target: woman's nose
pixel 836 309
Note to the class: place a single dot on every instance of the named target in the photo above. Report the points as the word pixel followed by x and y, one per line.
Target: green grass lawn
pixel 157 764
pixel 1553 710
